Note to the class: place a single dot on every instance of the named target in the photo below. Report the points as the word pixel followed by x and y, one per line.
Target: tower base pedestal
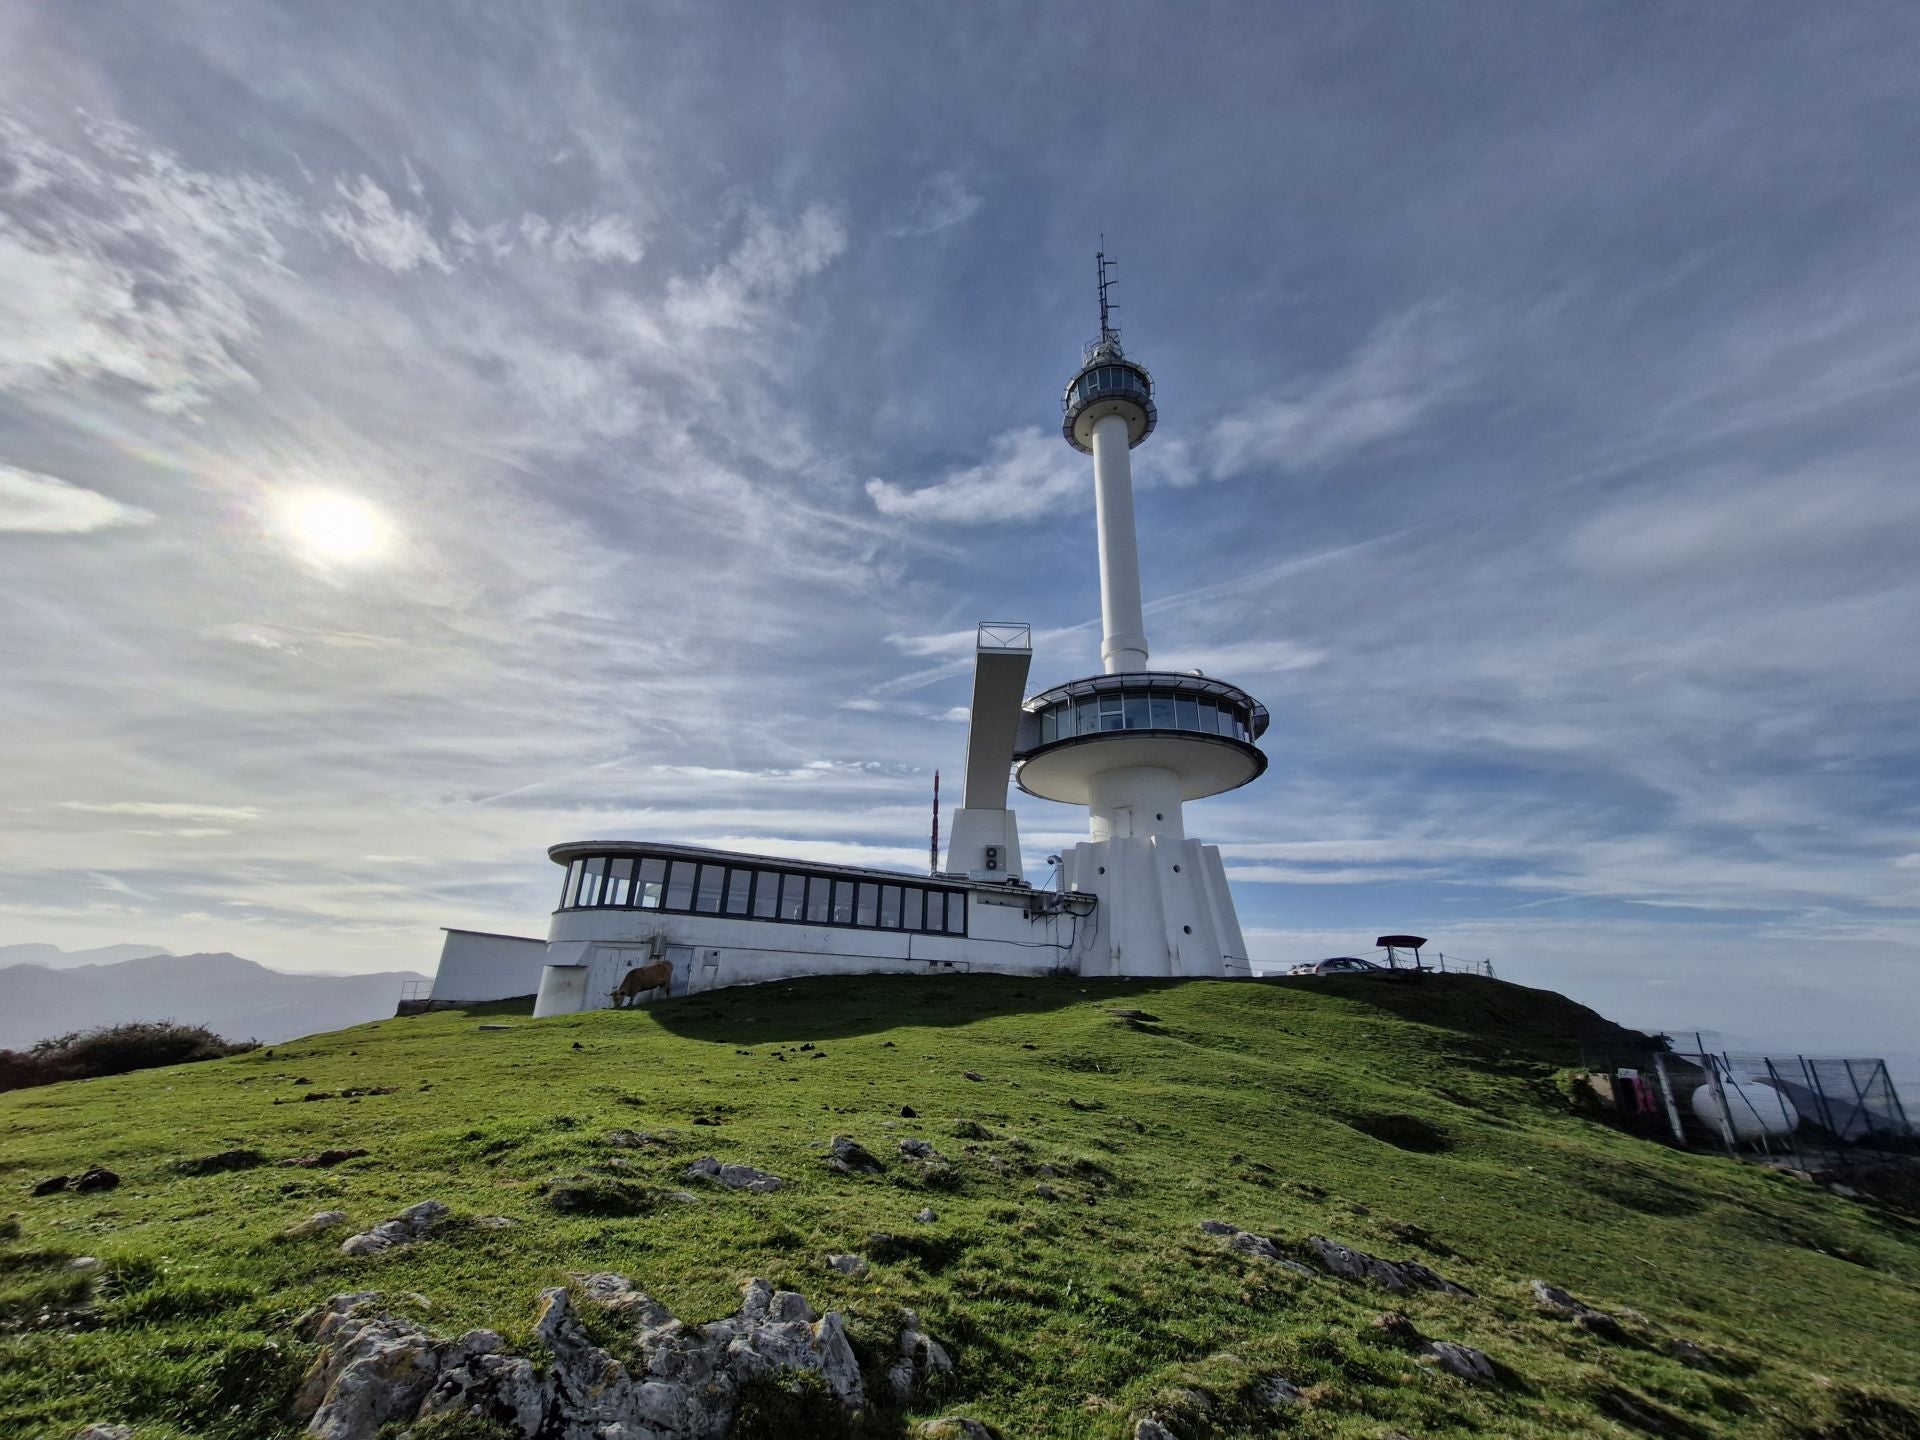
pixel 1165 908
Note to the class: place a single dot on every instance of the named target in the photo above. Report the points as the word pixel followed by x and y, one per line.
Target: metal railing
pixel 1004 635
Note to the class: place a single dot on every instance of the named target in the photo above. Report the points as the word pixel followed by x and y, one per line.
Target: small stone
pixel 97 1177
pixel 1218 1227
pixel 734 1177
pixel 86 1264
pixel 1133 1015
pixel 1463 1361
pixel 922 1150
pixel 926 1216
pixel 496 1222
pixel 850 1157
pixel 907 1112
pixel 410 1225
pixel 1551 1297
pixel 1273 1391
pixel 1151 1429
pixel 105 1432
pixel 1358 1210
pixel 971 1130
pixel 244 1157
pixel 1044 1191
pixel 973 1075
pixel 1688 1353
pixel 51 1184
pixel 850 1265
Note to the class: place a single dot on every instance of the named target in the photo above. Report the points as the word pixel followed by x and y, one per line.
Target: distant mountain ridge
pixel 54 958
pixel 237 998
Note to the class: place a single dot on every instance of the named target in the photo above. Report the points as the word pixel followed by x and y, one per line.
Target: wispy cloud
pixel 35 504
pixel 940 201
pixel 164 809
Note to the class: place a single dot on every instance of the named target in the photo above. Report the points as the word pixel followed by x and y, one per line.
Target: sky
pixel 429 433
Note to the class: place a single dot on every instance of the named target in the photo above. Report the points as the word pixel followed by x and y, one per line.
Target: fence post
pixel 1666 1094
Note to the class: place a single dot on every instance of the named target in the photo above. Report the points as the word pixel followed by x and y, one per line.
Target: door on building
pixel 681 958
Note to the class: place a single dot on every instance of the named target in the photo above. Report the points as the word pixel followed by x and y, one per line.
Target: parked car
pixel 1338 965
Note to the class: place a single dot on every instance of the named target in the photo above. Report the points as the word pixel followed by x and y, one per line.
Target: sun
pixel 332 526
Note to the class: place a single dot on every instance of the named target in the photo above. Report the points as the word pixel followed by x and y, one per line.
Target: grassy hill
pixel 1416 1121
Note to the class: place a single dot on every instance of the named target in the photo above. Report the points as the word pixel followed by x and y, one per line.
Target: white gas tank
pixel 1754 1110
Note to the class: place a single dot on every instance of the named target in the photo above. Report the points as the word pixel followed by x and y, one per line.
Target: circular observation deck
pixel 1200 729
pixel 1107 384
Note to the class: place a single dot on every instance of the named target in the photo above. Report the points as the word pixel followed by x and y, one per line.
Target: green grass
pixel 1283 1107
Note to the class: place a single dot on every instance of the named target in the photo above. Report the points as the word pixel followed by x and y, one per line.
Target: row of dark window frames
pixel 1110 380
pixel 703 888
pixel 1142 710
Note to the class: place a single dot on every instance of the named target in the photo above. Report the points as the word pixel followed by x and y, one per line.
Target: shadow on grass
pixel 826 1008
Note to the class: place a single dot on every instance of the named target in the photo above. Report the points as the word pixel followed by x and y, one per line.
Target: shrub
pixel 112 1050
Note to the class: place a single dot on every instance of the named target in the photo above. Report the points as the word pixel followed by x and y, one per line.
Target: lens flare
pixel 335 527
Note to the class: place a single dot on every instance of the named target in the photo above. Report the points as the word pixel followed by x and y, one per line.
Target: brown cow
pixel 637 982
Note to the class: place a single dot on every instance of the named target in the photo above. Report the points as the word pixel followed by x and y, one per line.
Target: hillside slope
pixel 1413 1122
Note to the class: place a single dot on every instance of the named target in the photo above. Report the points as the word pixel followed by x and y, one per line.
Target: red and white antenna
pixel 933 843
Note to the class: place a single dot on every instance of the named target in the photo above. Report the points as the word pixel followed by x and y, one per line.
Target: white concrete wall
pixel 476 967
pixel 591 950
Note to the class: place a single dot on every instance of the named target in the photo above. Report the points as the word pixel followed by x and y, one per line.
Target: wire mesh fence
pixel 1815 1115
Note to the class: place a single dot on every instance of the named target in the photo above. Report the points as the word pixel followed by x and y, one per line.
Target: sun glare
pixel 336 527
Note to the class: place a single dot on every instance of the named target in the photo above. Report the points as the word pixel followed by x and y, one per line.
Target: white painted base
pixel 973 830
pixel 1165 908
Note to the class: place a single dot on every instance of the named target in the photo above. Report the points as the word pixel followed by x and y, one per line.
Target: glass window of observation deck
pixel 650 885
pixel 868 912
pixel 889 907
pixel 593 871
pixel 913 909
pixel 680 885
pixel 713 879
pixel 619 881
pixel 843 902
pixel 793 897
pixel 739 889
pixel 1163 712
pixel 1136 709
pixel 819 900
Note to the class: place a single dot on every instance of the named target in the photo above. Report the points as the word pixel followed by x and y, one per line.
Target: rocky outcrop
pixel 316 1224
pixel 954 1427
pixel 375 1369
pixel 1254 1247
pixel 1460 1360
pixel 1397 1276
pixel 1552 1297
pixel 922 1360
pixel 734 1177
pixel 410 1225
pixel 850 1157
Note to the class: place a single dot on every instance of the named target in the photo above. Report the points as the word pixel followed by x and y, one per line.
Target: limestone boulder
pixel 1397 1276
pixel 409 1226
pixel 734 1177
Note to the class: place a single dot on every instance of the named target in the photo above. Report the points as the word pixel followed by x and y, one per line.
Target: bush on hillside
pixel 112 1050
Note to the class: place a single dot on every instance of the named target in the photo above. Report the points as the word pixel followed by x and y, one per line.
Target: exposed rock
pixel 1688 1353
pixel 106 1432
pixel 907 1112
pixel 409 1225
pixel 971 1130
pixel 1273 1391
pixel 926 1216
pixel 1461 1360
pixel 734 1177
pixel 1044 1191
pixel 923 1150
pixel 1151 1429
pixel 51 1185
pixel 321 1159
pixel 1255 1247
pixel 684 1384
pixel 954 1427
pixel 1396 1327
pixel 97 1177
pixel 315 1225
pixel 1397 1276
pixel 851 1265
pixel 637 1140
pixel 850 1157
pixel 495 1222
pixel 922 1358
pixel 85 1264
pixel 974 1075
pixel 1552 1297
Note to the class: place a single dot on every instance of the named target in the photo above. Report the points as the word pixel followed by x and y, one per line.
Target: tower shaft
pixel 1123 642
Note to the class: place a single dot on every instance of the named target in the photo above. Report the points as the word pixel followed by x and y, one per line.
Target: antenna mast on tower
pixel 1109 333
